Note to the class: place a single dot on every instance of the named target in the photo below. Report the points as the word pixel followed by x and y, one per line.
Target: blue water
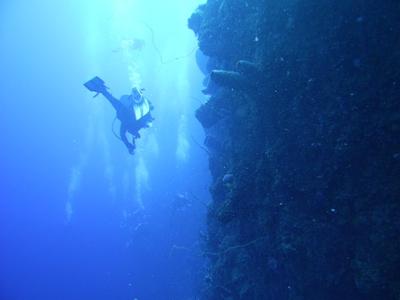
pixel 79 217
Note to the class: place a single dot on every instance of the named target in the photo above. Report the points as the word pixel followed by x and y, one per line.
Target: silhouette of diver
pixel 134 110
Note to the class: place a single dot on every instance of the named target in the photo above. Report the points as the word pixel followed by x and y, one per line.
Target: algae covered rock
pixel 304 114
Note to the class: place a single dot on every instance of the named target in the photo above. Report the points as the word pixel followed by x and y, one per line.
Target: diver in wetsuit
pixel 134 111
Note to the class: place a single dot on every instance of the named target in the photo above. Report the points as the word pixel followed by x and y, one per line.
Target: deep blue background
pixel 58 150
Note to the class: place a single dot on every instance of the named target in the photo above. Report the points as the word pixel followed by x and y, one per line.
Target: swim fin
pixel 96 84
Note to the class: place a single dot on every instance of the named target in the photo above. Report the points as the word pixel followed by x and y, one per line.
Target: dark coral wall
pixel 304 146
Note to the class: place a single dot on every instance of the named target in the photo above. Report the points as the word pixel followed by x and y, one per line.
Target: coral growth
pixel 304 117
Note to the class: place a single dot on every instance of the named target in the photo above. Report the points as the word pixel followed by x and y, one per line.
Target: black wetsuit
pixel 127 118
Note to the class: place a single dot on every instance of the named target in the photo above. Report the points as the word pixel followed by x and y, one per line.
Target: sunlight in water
pixel 136 43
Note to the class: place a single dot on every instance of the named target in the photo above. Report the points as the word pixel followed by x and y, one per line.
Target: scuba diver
pixel 134 110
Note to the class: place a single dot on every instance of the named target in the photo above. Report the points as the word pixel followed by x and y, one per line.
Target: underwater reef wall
pixel 303 132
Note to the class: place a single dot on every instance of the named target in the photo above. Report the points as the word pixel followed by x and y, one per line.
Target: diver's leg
pixel 114 102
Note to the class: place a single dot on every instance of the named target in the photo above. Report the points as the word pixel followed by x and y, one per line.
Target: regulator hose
pixel 113 131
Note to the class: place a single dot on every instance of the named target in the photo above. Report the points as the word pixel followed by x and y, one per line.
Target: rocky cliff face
pixel 303 130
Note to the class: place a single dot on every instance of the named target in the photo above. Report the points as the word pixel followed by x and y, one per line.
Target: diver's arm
pixel 150 104
pixel 122 133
